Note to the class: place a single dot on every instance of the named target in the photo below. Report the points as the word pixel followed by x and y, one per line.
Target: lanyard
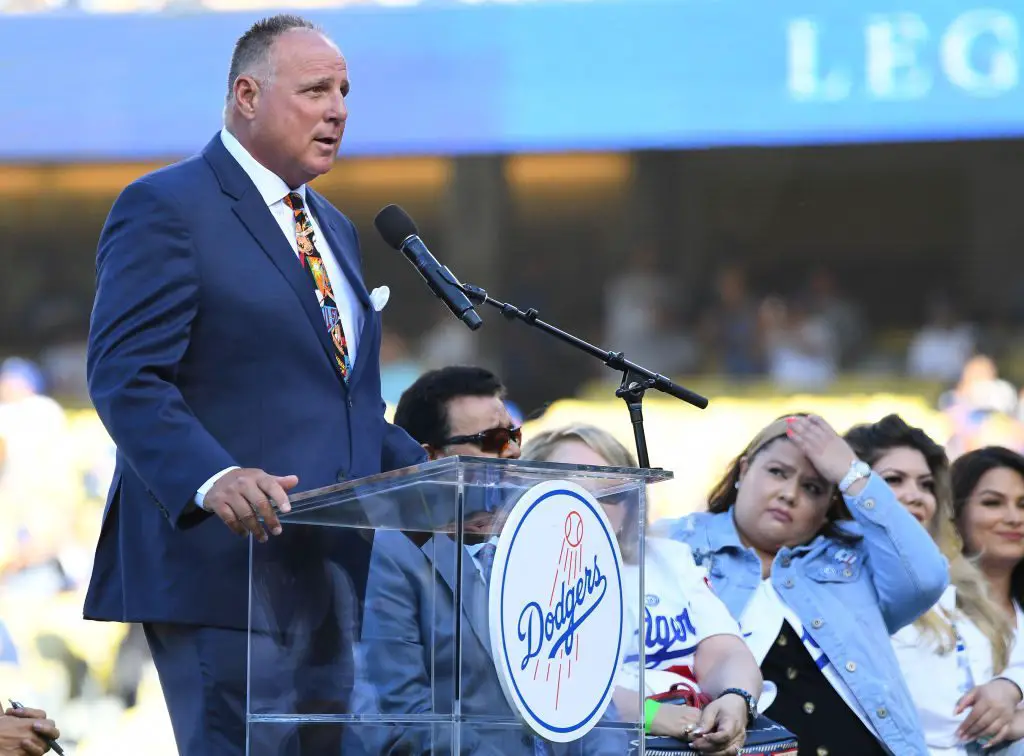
pixel 966 682
pixel 963 663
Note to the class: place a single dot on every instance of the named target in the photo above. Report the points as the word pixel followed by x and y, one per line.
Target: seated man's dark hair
pixel 423 408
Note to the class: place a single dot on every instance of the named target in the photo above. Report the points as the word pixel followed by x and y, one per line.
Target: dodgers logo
pixel 556 610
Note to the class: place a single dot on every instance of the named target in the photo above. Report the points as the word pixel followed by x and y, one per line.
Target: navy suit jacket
pixel 207 349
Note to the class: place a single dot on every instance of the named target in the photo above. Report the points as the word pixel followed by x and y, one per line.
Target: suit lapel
pixel 441 551
pixel 256 216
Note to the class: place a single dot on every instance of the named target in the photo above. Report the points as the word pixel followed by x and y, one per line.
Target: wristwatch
pixel 749 699
pixel 857 471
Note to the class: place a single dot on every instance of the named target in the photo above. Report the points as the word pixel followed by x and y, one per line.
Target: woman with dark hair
pixel 815 556
pixel 959 659
pixel 988 509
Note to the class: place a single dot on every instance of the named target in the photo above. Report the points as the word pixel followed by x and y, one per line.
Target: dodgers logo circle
pixel 556 610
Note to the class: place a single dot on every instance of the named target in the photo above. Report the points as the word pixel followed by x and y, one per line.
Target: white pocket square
pixel 379 297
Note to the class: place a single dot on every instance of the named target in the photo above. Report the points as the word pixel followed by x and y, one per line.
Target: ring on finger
pixel 257 517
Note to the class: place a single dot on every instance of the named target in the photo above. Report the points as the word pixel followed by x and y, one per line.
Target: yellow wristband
pixel 650 710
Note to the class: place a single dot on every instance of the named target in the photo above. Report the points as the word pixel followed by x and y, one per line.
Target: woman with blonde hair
pixel 815 556
pixel 959 659
pixel 686 632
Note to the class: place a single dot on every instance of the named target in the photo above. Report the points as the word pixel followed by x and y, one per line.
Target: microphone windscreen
pixel 394 225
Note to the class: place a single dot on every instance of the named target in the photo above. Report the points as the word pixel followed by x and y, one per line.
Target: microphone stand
pixel 636 380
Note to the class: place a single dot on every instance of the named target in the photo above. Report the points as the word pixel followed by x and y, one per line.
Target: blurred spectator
pixel 982 409
pixel 799 347
pixel 447 342
pixel 980 388
pixel 638 305
pixel 730 327
pixel 8 651
pixel 37 490
pixel 64 366
pixel 986 428
pixel 842 317
pixel 941 348
pixel 398 366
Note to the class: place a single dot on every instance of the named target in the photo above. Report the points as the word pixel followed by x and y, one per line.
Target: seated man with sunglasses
pixel 459 410
pixel 409 617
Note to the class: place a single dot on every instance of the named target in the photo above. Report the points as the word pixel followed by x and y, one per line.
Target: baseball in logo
pixel 556 610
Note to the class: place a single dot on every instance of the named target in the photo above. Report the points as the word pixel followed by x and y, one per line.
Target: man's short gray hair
pixel 252 50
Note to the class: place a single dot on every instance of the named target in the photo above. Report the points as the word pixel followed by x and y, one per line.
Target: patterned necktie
pixel 485 556
pixel 314 264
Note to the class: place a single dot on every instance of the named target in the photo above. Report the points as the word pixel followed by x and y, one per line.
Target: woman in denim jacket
pixel 819 579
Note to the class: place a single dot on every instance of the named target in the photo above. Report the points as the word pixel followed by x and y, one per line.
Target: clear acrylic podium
pixel 372 637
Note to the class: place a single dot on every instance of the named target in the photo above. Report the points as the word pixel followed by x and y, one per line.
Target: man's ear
pixel 245 93
pixel 432 453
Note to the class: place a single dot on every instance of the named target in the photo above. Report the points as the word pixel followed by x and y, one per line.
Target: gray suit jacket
pixel 409 652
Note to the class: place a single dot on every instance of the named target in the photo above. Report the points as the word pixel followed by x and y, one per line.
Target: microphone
pixel 399 231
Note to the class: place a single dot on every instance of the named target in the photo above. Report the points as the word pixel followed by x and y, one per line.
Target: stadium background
pixel 785 206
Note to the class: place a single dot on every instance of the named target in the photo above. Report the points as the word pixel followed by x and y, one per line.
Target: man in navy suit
pixel 233 357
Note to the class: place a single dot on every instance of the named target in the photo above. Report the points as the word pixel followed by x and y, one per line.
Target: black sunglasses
pixel 490 441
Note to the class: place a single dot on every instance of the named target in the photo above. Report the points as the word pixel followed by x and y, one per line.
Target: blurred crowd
pixel 55 467
pixel 802 339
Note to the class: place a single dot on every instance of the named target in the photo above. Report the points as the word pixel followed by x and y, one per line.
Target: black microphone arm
pixel 399 231
pixel 636 379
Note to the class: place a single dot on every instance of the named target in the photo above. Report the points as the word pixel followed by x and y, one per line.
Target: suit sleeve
pixel 147 294
pixel 399 449
pixel 393 642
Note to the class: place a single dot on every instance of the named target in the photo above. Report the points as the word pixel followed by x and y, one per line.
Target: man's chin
pixel 318 166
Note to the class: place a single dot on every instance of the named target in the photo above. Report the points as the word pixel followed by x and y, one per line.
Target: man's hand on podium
pixel 243 499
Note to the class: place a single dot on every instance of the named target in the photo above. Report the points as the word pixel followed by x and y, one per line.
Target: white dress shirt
pixel 273 189
pixel 937 681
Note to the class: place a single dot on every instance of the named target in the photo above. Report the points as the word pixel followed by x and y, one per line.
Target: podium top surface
pixel 399 498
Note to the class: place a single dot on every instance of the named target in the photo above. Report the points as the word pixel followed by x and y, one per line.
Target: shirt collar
pixel 475 548
pixel 270 186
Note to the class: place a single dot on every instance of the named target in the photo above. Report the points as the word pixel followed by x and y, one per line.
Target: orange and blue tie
pixel 314 264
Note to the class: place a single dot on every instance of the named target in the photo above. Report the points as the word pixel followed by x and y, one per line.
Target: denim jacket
pixel 849 607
